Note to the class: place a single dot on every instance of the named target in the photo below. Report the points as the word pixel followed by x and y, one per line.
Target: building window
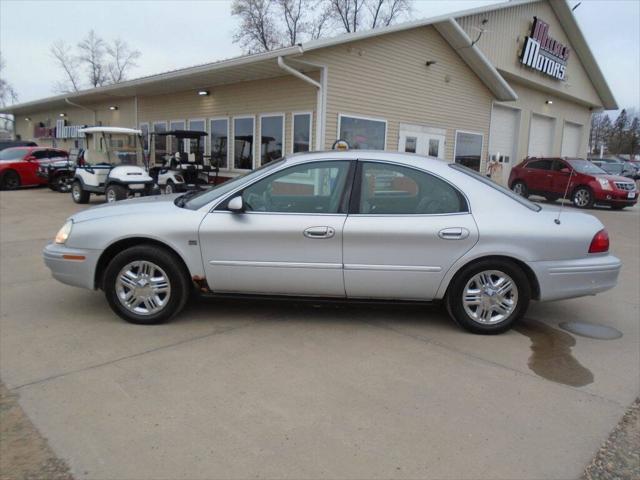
pixel 197 146
pixel 271 138
pixel 468 149
pixel 363 133
pixel 176 125
pixel 243 137
pixel 159 142
pixel 219 131
pixel 301 132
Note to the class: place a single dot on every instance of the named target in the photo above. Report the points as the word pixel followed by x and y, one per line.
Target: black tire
pixel 78 194
pixel 520 188
pixel 170 187
pixel 455 302
pixel 115 193
pixel 582 197
pixel 178 279
pixel 10 180
pixel 61 182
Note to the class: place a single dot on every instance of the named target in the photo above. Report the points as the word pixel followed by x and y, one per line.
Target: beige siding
pixel 503 41
pixel 386 77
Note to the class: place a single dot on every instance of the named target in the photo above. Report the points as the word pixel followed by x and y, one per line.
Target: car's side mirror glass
pixel 236 205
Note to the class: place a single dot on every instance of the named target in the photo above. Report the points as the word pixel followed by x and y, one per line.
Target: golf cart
pixel 113 164
pixel 186 168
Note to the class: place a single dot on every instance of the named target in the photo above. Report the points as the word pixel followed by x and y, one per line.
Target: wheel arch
pixel 531 276
pixel 124 243
pixel 9 170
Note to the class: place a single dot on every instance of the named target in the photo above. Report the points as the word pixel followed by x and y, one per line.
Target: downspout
pixel 320 97
pixel 95 116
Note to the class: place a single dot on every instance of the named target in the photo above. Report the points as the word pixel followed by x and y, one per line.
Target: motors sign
pixel 543 53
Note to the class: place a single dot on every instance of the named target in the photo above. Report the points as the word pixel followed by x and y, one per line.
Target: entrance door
pixel 422 140
pixel 289 238
pixel 503 139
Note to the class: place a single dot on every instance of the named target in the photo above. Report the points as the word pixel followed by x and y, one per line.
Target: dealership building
pixel 485 87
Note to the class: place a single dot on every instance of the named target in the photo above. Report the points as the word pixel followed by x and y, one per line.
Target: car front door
pixel 560 173
pixel 288 239
pixel 539 175
pixel 405 230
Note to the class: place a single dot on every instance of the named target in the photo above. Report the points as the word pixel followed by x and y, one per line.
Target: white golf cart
pixel 113 165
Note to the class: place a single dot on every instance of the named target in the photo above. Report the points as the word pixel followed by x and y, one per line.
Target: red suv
pixel 582 181
pixel 19 165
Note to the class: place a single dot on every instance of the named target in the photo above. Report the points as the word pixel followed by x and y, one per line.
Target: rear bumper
pixel 576 278
pixel 72 266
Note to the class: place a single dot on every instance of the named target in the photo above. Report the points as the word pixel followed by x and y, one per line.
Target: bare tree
pixel 122 59
pixel 293 18
pixel 347 13
pixel 68 62
pixel 92 52
pixel 257 31
pixel 387 11
pixel 8 95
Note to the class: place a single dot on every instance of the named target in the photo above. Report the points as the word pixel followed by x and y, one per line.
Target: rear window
pixel 13 153
pixel 521 200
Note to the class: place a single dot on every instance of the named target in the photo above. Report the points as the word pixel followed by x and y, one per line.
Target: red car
pixel 19 165
pixel 582 181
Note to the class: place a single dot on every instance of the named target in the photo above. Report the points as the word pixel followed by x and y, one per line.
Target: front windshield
pixel 116 148
pixel 202 198
pixel 585 166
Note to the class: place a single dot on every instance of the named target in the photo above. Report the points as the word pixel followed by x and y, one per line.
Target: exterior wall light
pixel 62 115
pixel 113 107
pixel 27 119
pixel 549 102
pixel 203 93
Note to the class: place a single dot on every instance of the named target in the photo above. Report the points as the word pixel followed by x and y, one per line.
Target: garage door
pixel 571 137
pixel 503 138
pixel 541 136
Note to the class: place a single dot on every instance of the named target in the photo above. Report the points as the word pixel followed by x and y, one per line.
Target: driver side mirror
pixel 236 205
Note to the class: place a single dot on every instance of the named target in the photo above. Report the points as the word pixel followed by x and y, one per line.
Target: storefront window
pixel 301 132
pixel 198 126
pixel 219 142
pixel 362 133
pixel 174 147
pixel 271 133
pixel 159 142
pixel 144 128
pixel 243 143
pixel 468 149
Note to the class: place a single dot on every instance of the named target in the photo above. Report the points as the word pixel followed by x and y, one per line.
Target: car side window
pixel 559 165
pixel 540 164
pixel 40 154
pixel 309 188
pixel 387 189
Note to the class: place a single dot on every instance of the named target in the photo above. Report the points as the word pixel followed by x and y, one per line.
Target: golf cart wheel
pixel 78 194
pixel 582 197
pixel 10 180
pixel 520 188
pixel 170 188
pixel 489 296
pixel 115 193
pixel 146 284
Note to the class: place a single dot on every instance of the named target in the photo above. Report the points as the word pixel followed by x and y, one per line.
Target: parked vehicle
pixel 583 182
pixel 4 144
pixel 59 173
pixel 113 164
pixel 19 165
pixel 618 167
pixel 185 169
pixel 323 225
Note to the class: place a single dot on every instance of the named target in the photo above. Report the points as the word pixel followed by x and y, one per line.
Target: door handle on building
pixel 319 232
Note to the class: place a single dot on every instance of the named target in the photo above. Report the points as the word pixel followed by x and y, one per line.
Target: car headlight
pixel 64 232
pixel 604 183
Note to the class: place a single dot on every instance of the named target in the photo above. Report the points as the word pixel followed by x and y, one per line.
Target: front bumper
pixel 576 278
pixel 72 266
pixel 616 197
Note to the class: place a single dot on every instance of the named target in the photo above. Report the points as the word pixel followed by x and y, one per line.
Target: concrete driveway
pixel 274 390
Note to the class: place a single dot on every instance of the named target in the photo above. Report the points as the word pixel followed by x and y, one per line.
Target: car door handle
pixel 319 232
pixel 454 233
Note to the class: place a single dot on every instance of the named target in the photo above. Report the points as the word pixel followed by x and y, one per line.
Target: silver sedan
pixel 339 225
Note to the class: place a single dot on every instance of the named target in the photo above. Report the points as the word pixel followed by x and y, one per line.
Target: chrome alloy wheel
pixel 76 191
pixel 518 189
pixel 111 195
pixel 490 297
pixel 143 287
pixel 582 198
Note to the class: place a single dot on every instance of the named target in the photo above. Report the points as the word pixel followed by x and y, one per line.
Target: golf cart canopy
pixel 183 134
pixel 112 130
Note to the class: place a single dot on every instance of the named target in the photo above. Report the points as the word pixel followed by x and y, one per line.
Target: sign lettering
pixel 543 53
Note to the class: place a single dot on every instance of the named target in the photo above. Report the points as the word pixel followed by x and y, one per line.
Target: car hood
pixel 152 204
pixel 615 178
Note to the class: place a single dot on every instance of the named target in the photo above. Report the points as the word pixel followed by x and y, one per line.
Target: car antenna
pixel 564 197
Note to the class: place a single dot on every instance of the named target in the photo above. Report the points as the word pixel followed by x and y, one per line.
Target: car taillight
pixel 600 242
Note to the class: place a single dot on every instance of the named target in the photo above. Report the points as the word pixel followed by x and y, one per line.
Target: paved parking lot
pixel 268 389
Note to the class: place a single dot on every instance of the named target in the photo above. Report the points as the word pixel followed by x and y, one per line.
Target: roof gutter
pixel 320 95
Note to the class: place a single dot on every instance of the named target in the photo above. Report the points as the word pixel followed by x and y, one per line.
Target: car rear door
pixel 539 175
pixel 288 241
pixel 405 229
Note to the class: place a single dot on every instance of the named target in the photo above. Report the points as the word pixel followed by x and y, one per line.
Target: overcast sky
pixel 173 34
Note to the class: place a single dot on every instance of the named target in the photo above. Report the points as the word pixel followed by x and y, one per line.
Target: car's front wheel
pixel 146 284
pixel 582 197
pixel 10 180
pixel 488 297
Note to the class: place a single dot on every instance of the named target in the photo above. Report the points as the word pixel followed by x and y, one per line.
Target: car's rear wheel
pixel 146 284
pixel 10 180
pixel 488 297
pixel 115 193
pixel 520 188
pixel 78 194
pixel 582 197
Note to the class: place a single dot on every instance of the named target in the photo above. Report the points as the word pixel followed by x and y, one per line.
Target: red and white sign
pixel 543 53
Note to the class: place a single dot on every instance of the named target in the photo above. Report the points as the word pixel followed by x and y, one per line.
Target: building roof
pixel 261 65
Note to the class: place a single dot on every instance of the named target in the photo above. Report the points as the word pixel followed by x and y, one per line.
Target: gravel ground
pixel 619 456
pixel 24 453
